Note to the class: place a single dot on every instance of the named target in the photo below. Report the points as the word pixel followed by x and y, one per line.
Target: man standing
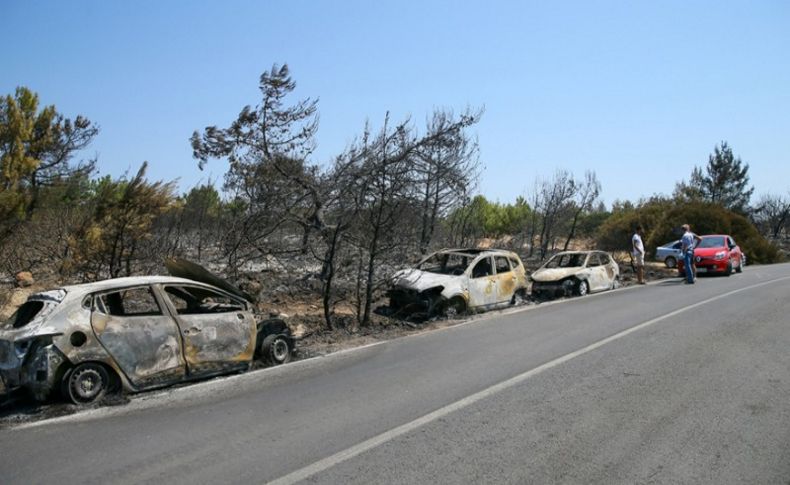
pixel 638 252
pixel 688 242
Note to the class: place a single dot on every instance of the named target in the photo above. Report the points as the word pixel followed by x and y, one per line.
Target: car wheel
pixel 739 268
pixel 518 297
pixel 582 288
pixel 728 271
pixel 87 383
pixel 276 349
pixel 456 306
pixel 671 262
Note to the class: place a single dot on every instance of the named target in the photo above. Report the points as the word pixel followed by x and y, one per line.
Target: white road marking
pixel 330 461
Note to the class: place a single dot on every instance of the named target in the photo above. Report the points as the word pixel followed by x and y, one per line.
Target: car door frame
pixel 130 340
pixel 598 275
pixel 506 282
pixel 210 347
pixel 732 246
pixel 482 290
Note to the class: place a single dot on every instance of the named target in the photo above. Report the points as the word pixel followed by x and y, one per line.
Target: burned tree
pixel 586 196
pixel 772 214
pixel 267 148
pixel 446 170
pixel 556 196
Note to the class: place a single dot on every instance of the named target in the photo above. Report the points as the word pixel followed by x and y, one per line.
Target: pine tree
pixel 724 182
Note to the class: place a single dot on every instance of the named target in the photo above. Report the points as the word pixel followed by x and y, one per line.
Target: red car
pixel 716 254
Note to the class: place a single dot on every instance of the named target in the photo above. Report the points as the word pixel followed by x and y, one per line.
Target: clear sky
pixel 639 91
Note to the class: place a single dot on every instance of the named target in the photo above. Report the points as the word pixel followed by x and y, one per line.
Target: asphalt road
pixel 665 383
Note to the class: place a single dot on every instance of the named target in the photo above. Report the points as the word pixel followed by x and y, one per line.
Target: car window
pixel 711 242
pixel 482 268
pixel 129 303
pixel 605 259
pixel 502 265
pixel 677 245
pixel 513 263
pixel 189 300
pixel 445 263
pixel 567 260
pixel 23 315
pixel 731 242
pixel 594 260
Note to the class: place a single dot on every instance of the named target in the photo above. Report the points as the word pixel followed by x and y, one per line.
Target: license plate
pixel 702 270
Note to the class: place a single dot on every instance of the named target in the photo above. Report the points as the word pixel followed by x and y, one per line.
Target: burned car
pixel 453 280
pixel 132 334
pixel 575 273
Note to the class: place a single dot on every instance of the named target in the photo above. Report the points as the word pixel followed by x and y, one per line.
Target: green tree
pixel 123 213
pixel 661 219
pixel 200 213
pixel 36 149
pixel 725 181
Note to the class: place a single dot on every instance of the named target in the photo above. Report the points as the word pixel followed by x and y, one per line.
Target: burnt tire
pixel 86 383
pixel 455 306
pixel 582 288
pixel 276 349
pixel 519 297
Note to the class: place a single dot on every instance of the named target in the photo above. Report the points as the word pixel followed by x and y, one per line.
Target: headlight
pixel 720 255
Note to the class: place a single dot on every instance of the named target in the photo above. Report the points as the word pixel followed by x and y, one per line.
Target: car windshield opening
pixel 445 263
pixel 571 260
pixel 711 242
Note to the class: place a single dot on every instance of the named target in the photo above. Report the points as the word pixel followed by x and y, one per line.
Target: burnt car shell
pixel 85 340
pixel 575 272
pixel 458 279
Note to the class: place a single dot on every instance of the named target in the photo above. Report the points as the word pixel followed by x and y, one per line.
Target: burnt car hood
pixel 555 274
pixel 183 268
pixel 418 280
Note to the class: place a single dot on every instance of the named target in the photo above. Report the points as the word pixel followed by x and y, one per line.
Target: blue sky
pixel 639 92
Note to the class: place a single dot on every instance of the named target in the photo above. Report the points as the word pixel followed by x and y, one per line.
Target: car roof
pixel 125 282
pixel 477 251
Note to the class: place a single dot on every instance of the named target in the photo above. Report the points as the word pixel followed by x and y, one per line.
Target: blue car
pixel 669 253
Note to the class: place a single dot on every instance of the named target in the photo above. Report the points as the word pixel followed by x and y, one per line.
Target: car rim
pixel 87 384
pixel 582 288
pixel 280 349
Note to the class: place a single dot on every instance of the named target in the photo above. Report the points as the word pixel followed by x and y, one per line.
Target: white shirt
pixel 636 242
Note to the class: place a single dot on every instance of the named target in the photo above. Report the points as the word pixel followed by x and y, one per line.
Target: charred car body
pixel 575 272
pixel 132 334
pixel 454 280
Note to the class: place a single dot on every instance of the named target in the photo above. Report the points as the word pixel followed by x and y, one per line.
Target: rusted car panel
pixel 575 272
pixel 459 278
pixel 134 333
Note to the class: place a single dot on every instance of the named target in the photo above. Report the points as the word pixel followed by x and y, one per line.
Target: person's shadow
pixel 672 282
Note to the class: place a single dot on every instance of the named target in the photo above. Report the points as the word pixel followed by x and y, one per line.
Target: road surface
pixel 664 383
